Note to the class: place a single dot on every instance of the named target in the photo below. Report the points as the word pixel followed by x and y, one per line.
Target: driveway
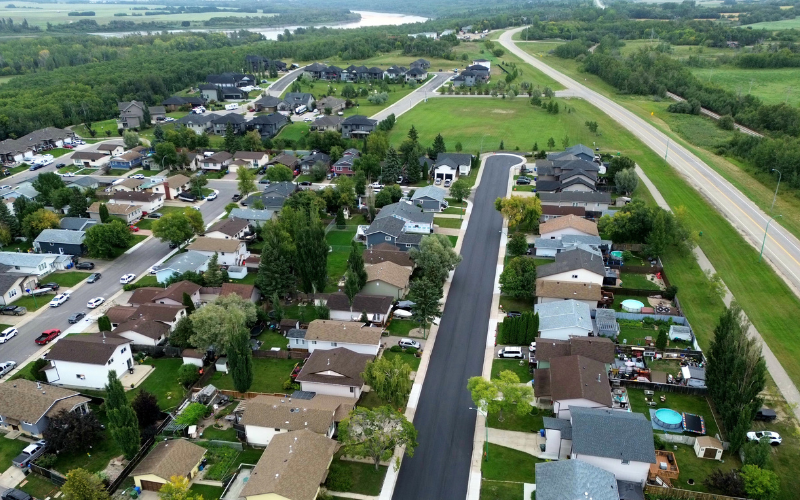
pixel 439 469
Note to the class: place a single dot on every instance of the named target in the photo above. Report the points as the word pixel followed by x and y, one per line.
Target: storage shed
pixel 607 325
pixel 222 365
pixel 708 447
pixel 678 332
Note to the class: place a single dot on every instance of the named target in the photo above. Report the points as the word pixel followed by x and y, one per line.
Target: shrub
pixel 47 460
pixel 670 292
pixel 725 122
pixel 411 350
pixel 396 348
pixel 191 414
pixel 188 374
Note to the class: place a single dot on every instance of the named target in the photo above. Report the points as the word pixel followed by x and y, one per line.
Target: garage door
pixel 151 486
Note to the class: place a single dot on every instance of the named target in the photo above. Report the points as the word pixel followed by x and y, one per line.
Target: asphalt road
pixel 137 262
pixel 414 98
pixel 439 469
pixel 278 86
pixel 782 248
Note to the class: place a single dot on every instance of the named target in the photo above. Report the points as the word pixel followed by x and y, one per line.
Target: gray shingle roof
pixel 251 214
pixel 64 236
pixel 76 223
pixel 571 260
pixel 359 120
pixel 578 196
pixel 188 261
pixel 283 188
pixel 563 314
pixel 432 192
pixel 558 424
pixel 571 479
pixel 388 225
pixel 405 211
pixel 296 333
pixel 409 239
pixel 22 259
pixel 614 434
pixel 580 148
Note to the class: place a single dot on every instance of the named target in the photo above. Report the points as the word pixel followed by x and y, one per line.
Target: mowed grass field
pixel 772 86
pixel 786 24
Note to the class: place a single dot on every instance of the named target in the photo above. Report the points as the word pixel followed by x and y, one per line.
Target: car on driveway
pixel 155 215
pixel 770 437
pixel 52 285
pixel 236 197
pixel 438 181
pixel 13 310
pixel 212 196
pixel 29 454
pixel 447 183
pixel 127 278
pixel 137 176
pixel 406 343
pixel 58 300
pixel 186 196
pixel 6 367
pixel 95 302
pixel 267 181
pixel 133 229
pixel 523 181
pixel 48 336
pixel 154 269
pixel 513 314
pixel 511 352
pixel 76 317
pixel 86 266
pixel 94 277
pixel 8 334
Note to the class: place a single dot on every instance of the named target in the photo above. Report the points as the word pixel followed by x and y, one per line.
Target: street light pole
pixel 765 236
pixel 667 153
pixel 776 188
pixel 485 426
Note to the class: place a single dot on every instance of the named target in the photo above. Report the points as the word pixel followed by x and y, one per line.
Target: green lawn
pixel 365 479
pixel 339 240
pixel 689 403
pixel 501 365
pixel 638 281
pixel 67 278
pixel 512 304
pixel 249 279
pixel 100 128
pixel 17 246
pixel 98 456
pixel 272 339
pixel 212 433
pixel 447 222
pixel 221 460
pixel 249 456
pixel 401 327
pixel 783 24
pixel 530 422
pixel 293 132
pixel 409 359
pixel 453 239
pixel 634 335
pixel 33 303
pixel 163 382
pixel 38 487
pixel 528 187
pixel 699 469
pixel 118 172
pixel 370 400
pixel 147 223
pixel 207 491
pixel 148 280
pixel 268 375
pixel 500 490
pixel 305 314
pixel 146 173
pixel 10 448
pixel 506 464
pixel 70 168
pixel 453 210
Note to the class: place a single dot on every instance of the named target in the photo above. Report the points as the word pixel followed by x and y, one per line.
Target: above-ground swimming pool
pixel 617 254
pixel 668 419
pixel 630 305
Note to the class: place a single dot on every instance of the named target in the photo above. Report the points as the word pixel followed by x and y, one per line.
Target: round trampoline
pixel 630 305
pixel 668 419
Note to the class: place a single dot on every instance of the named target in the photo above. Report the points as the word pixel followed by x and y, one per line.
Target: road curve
pixel 782 248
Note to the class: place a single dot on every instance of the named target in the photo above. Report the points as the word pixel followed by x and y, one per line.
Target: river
pixel 271 33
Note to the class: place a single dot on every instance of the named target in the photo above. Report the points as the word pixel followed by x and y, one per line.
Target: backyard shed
pixel 222 365
pixel 192 357
pixel 606 320
pixel 677 332
pixel 708 447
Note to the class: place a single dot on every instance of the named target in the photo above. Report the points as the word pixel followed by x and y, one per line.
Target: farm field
pixel 772 86
pixel 786 24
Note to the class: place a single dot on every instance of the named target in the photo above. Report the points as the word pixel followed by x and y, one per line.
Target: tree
pixel 192 413
pixel 355 263
pixel 104 215
pixel 375 433
pixel 8 220
pixel 145 405
pixel 252 141
pixel 392 168
pixel 72 432
pixel 345 189
pixel 412 134
pixel 517 245
pixel 714 285
pixel 188 374
pixel 38 221
pixel 104 323
pixel 662 339
pixel 659 238
pixel 277 309
pixel 213 323
pixel 426 295
pixel 213 275
pixel 196 185
pixel 312 255
pixel 240 357
pixel 105 240
pixel 165 155
pixel 551 143
pixel 83 485
pixel 158 135
pixel 516 398
pixel 521 212
pixel 351 287
pixel 174 227
pixel 459 147
pixel 231 142
pixel 279 173
pixel 390 379
pixel 130 139
pixel 383 198
pixel 360 183
pixel 46 183
pixel 370 164
pixel 438 147
pixel 275 270
pixel 518 278
pixel 377 144
pixel 460 190
pixel 565 139
pixel 760 484
pixel 147 120
pixel 181 334
pixel 78 206
pixel 246 181
pixel 435 257
pixel 618 164
pixel 758 453
pixel 626 181
pixel 592 126
pixel 735 375
pixel 728 482
pixel 122 421
pixel 177 488
pixel 60 197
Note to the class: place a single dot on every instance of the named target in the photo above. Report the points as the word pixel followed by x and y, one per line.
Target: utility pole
pixel 765 236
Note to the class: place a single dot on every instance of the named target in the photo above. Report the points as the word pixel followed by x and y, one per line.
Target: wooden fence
pixel 52 475
pixel 638 269
pixel 650 386
pixel 630 247
pixel 143 451
pixel 660 493
pixel 282 354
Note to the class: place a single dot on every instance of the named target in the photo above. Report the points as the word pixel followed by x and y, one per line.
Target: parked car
pixel 8 334
pixel 95 302
pixel 4 187
pixel 154 269
pixel 58 300
pixel 48 336
pixel 133 229
pixel 155 215
pixel 94 277
pixel 406 343
pixel 127 278
pixel 376 186
pixel 15 494
pixel 523 182
pixel 766 415
pixel 532 348
pixel 513 314
pixel 13 310
pixel 68 146
pixel 511 352
pixel 266 181
pixel 29 454
pixel 184 196
pixel 212 196
pixel 236 197
pixel 137 176
pixel 305 185
pixel 6 367
pixel 438 181
pixel 85 266
pixel 76 317
pixel 52 285
pixel 772 438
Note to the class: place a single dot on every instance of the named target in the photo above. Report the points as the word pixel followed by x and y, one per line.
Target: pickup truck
pixel 47 336
pixel 30 453
pixel 13 310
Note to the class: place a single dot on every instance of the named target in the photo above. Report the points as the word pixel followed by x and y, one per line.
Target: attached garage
pixel 177 457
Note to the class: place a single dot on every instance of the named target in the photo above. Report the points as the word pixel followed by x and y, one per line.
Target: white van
pixel 300 109
pixel 511 352
pixel 231 107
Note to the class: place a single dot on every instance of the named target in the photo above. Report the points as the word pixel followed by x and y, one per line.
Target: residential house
pixel 61 241
pixel 254 159
pixel 550 212
pixel 449 166
pixel 174 103
pixel 228 229
pixel 325 123
pixel 128 213
pixel 252 216
pixel 330 334
pixel 127 161
pixel 416 74
pixel 131 114
pixel 148 202
pixel 481 72
pixel 265 417
pixel 111 148
pixel 315 70
pixel 13 285
pixel 158 113
pixel 187 261
pixel 27 146
pixel 231 80
pixel 383 252
pixel 573 479
pixel 220 123
pixel 599 349
pixel 467 78
pixel 346 164
pixel 130 184
pixel 391 230
pixel 482 62
pixel 174 457
pixel 312 159
pixel 354 73
pixel 376 307
pixel 430 199
pixel 273 197
pixel 421 63
pixel 553 291
pixel 170 187
pixel 34 264
pixel 210 93
pixel 594 203
pixel 27 406
pixel 120 314
pixel 564 319
pixel 263 64
pixel 23 189
pixel 334 372
pixel 173 294
pixel 268 125
pixel 217 161
pixel 334 103
pixel 579 151
pixel 395 73
pixel 293 467
pixel 332 73
pixel 387 279
pixel 86 360
pixel 296 99
pixel 197 123
pixel 570 382
pixel 546 247
pixel 83 182
pixel 150 324
pixel 358 126
pixel 466 29
pixel 568 225
pixel 374 74
pixel 416 221
pixel 286 160
pixel 229 252
pixel 247 292
pixel 267 103
pixel 90 159
pixel 575 265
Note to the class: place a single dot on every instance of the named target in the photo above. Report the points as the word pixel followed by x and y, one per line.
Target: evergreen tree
pixel 351 287
pixel 393 167
pixel 240 359
pixel 502 145
pixel 213 275
pixel 312 255
pixel 158 136
pixel 340 222
pixel 355 263
pixel 275 273
pixel 277 309
pixel 231 141
pixel 103 213
pixel 188 303
pixel 438 147
pixel 122 423
pixel 104 324
pixel 147 120
pixel 412 134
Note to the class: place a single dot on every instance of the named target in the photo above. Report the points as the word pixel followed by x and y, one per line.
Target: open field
pixel 773 86
pixel 786 24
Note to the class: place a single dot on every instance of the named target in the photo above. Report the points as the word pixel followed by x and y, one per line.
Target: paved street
pixel 414 98
pixel 277 87
pixel 439 469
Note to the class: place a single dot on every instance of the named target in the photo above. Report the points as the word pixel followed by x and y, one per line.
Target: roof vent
pixel 297 410
pixel 598 377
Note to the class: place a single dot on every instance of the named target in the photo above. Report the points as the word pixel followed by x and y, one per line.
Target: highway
pixel 782 249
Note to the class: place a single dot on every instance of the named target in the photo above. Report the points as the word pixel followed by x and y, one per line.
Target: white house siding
pixel 546 252
pixel 331 389
pixel 138 338
pixel 354 316
pixel 578 187
pixel 562 406
pixel 94 376
pixel 260 436
pixel 324 345
pixel 382 288
pixel 417 227
pixel 567 231
pixel 298 343
pixel 222 236
pixel 578 275
pixel 634 471
pixel 145 206
pixel 543 300
pixel 564 333
pixel 193 361
pixel 228 258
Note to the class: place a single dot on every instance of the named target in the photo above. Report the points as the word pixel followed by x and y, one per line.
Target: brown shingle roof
pixel 114 208
pixel 577 377
pixel 158 312
pixel 132 183
pixel 203 244
pixel 109 146
pixel 597 348
pixel 176 181
pixel 21 400
pixel 66 404
pixel 371 304
pixel 192 353
pixel 141 196
pixel 151 329
pixel 118 314
pixel 389 272
pixel 348 364
pixel 242 290
pixel 316 414
pixel 229 226
pixel 176 290
pixel 249 155
pixel 171 458
pixel 541 381
pixel 293 466
pixel 144 295
pixel 93 349
pixel 568 290
pixel 375 256
pixel 284 159
pixel 88 155
pixel 343 331
pixel 553 210
pixel 573 221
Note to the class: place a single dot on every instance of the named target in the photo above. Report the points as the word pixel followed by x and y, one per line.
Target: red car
pixel 48 336
pixel 68 146
pixel 134 229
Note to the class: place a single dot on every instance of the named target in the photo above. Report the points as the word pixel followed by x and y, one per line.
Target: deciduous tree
pixel 181 334
pixel 374 434
pixel 145 405
pixel 105 240
pixel 279 173
pixel 246 181
pixel 72 432
pixel 460 190
pixel 435 257
pixel 390 379
pixel 760 484
pixel 83 485
pixel 521 212
pixel 626 181
pixel 517 244
pixel 355 263
pixel 38 221
pixel 211 323
pixel 516 398
pixel 130 139
pixel 213 275
pixel 426 294
pixel 275 271
pixel 312 256
pixel 175 227
pixel 518 279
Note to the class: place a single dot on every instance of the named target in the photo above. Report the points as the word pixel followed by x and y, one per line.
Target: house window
pixel 626 462
pixel 352 389
pixel 313 342
pixel 334 344
pixel 575 276
pixel 408 245
pixel 388 238
pixel 110 361
pixel 123 350
pixel 81 377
